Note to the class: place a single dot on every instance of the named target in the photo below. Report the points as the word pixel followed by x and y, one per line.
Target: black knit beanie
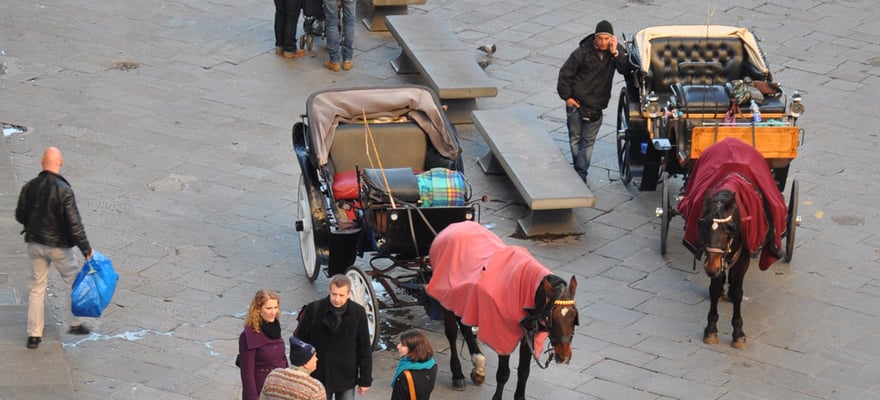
pixel 604 27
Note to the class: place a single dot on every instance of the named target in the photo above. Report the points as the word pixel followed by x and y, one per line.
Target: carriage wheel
pixel 665 216
pixel 623 139
pixel 306 227
pixel 791 221
pixel 362 293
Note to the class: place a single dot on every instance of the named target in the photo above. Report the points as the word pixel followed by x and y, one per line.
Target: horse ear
pixel 548 288
pixel 572 286
pixel 707 197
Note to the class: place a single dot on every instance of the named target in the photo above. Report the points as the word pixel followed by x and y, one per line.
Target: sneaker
pixel 347 65
pixel 34 342
pixel 294 54
pixel 79 330
pixel 331 66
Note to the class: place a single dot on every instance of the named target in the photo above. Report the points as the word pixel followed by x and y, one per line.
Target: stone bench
pixel 375 22
pixel 428 46
pixel 520 147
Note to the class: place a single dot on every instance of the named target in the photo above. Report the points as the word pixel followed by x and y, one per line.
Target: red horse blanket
pixel 736 166
pixel 485 282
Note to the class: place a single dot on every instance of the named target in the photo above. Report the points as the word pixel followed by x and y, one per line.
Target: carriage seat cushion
pixel 695 61
pixel 400 145
pixel 403 182
pixel 702 99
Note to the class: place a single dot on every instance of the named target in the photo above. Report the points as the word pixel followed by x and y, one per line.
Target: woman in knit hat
pixel 295 382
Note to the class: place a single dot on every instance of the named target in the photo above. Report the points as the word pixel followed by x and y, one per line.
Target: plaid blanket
pixel 441 187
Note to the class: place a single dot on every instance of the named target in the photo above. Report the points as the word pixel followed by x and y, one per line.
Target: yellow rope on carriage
pixel 368 140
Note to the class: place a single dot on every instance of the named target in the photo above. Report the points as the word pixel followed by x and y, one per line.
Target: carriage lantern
pixel 651 105
pixel 797 106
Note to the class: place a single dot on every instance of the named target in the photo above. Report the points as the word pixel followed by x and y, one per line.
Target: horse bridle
pixel 728 257
pixel 543 322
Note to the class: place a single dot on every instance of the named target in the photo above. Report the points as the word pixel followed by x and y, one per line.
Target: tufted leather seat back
pixel 694 61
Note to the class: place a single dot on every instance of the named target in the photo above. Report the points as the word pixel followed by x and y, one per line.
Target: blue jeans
pixel 344 395
pixel 331 24
pixel 581 137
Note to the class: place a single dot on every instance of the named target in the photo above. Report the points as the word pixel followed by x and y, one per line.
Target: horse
pixel 733 211
pixel 726 258
pixel 513 299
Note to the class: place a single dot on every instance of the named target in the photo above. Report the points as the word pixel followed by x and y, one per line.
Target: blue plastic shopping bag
pixel 93 287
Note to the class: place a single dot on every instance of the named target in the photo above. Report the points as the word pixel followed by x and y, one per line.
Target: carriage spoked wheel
pixel 665 214
pixel 792 220
pixel 306 227
pixel 623 139
pixel 362 292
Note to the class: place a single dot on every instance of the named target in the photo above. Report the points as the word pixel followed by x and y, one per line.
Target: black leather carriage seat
pixel 400 145
pixel 694 61
pixel 695 70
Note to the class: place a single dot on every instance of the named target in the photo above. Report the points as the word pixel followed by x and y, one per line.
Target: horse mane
pixel 542 303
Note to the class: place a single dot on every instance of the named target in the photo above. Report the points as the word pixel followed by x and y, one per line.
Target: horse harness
pixel 728 256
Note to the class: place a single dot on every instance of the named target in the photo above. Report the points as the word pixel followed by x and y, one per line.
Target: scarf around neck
pixel 271 329
pixel 406 363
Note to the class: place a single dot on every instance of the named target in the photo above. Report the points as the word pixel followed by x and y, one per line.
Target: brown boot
pixel 331 66
pixel 347 65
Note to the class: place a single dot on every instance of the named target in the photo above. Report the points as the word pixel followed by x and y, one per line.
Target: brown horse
pixel 555 314
pixel 727 258
pixel 512 298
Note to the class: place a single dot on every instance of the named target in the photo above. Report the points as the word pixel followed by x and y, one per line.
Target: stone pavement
pixel 174 118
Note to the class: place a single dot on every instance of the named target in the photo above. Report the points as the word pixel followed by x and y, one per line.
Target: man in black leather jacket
pixel 585 85
pixel 52 227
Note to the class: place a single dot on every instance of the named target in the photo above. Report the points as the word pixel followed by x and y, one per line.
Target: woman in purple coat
pixel 260 346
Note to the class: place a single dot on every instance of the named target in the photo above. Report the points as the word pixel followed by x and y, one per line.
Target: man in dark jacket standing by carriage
pixel 585 84
pixel 337 327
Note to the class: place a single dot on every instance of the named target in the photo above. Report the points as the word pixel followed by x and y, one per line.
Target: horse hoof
pixel 478 378
pixel 711 338
pixel 458 384
pixel 479 362
pixel 739 343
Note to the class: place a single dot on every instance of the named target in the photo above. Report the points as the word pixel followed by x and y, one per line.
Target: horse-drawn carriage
pixel 691 86
pixel 381 175
pixel 700 102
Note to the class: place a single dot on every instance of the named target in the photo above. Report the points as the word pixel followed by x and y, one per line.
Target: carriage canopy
pixel 327 109
pixel 643 40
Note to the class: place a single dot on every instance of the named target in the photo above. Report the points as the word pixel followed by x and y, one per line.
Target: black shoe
pixel 79 330
pixel 34 342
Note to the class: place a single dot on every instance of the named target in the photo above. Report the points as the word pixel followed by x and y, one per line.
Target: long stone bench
pixel 375 22
pixel 428 46
pixel 520 147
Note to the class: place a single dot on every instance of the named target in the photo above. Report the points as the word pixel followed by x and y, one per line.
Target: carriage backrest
pixel 400 145
pixel 695 61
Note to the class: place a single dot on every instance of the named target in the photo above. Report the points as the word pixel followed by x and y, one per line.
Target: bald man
pixel 52 227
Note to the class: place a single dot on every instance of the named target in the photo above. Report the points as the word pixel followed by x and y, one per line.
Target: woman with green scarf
pixel 417 370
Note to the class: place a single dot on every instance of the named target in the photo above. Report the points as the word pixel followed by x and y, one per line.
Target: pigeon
pixel 489 49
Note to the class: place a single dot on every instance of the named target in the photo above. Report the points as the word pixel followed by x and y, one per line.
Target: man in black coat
pixel 52 227
pixel 337 327
pixel 585 84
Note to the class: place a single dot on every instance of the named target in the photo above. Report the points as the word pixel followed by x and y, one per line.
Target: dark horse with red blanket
pixel 733 210
pixel 510 296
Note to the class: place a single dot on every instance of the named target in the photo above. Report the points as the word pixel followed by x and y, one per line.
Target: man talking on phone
pixel 585 84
